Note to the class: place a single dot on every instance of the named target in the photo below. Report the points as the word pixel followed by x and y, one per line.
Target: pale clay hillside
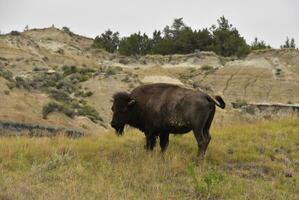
pixel 33 61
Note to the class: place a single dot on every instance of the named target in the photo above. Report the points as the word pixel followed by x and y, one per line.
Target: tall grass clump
pixel 243 161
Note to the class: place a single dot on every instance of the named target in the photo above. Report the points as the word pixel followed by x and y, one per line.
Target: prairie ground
pixel 243 161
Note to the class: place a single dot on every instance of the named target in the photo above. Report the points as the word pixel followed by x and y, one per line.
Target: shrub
pixel 22 83
pixel 88 94
pixel 67 30
pixel 38 69
pixel 6 74
pixel 239 103
pixel 45 58
pixel 71 109
pixel 15 33
pixel 60 86
pixel 127 79
pixel 67 70
pixel 11 85
pixel 67 86
pixel 83 94
pixel 124 61
pixel 75 78
pixel 207 67
pixel 60 51
pixel 60 95
pixel 50 107
pixel 79 93
pixel 45 81
pixel 55 107
pixel 289 44
pixel 89 112
pixel 113 70
pixel 259 45
pixel 278 71
pixel 78 74
pixel 192 69
pixel 68 111
pixel 86 70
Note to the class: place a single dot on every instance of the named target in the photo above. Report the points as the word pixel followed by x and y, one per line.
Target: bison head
pixel 122 111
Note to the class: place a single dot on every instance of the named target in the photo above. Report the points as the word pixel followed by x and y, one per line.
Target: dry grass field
pixel 243 161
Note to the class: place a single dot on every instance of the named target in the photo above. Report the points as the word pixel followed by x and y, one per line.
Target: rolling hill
pixel 54 78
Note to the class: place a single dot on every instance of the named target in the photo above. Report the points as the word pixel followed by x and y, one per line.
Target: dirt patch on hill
pixel 161 79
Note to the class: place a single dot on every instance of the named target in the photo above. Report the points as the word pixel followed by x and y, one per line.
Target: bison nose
pixel 113 124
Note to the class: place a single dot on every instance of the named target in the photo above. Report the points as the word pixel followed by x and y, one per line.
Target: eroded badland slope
pixel 40 66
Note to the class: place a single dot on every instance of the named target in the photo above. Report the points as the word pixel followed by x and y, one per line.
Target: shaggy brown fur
pixel 160 109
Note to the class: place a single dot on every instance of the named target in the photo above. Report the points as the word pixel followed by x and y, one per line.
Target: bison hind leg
pixel 164 140
pixel 201 135
pixel 206 130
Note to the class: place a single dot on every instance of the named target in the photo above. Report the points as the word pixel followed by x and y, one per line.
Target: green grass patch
pixel 252 161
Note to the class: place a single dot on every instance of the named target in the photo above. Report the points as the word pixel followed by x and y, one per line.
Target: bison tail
pixel 219 102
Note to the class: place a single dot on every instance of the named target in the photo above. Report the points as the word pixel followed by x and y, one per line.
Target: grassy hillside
pixel 55 78
pixel 253 161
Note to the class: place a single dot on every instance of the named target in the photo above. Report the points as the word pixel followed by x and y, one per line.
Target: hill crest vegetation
pixel 223 39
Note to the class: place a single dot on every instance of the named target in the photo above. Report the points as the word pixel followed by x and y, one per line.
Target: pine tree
pixel 227 40
pixel 292 44
pixel 286 44
pixel 256 44
pixel 108 41
pixel 135 44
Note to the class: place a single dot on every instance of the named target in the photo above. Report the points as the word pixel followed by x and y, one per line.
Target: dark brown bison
pixel 160 109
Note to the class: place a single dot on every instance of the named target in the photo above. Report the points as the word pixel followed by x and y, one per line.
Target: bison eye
pixel 124 110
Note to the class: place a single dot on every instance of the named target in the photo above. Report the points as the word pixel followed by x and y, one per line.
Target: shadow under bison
pixel 160 109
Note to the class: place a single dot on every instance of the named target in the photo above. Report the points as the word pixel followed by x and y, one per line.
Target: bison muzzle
pixel 160 109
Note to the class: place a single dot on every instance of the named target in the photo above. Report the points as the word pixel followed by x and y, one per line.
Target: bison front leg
pixel 150 142
pixel 164 140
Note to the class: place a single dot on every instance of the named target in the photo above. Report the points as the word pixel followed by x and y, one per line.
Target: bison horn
pixel 131 102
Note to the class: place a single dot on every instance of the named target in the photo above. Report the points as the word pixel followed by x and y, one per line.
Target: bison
pixel 160 109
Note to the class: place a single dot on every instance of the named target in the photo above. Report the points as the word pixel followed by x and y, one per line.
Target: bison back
pixel 167 105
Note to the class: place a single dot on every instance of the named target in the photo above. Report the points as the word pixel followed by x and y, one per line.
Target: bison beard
pixel 120 130
pixel 160 109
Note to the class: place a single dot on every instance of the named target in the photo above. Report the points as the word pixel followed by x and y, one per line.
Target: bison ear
pixel 132 102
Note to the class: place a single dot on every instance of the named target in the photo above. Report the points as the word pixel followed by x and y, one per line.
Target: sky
pixel 269 20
